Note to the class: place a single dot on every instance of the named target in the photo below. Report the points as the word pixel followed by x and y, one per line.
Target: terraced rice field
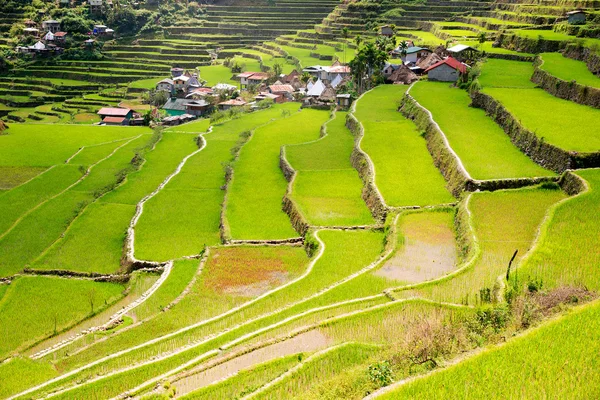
pixel 404 170
pixel 296 252
pixel 568 69
pixel 327 188
pixel 480 143
pixel 563 123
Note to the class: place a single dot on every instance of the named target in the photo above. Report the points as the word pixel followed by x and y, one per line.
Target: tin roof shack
pixel 175 106
pixel 386 30
pixel 576 17
pixel 286 92
pixel 277 98
pixel 60 37
pixel 226 105
pixel 412 54
pixel 344 100
pixel 197 107
pixel 166 85
pixel 116 116
pixel 51 25
pixel 31 31
pixel 463 53
pixel 447 70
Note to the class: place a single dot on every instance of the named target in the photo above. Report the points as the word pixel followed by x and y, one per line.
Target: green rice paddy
pixel 404 170
pixel 480 143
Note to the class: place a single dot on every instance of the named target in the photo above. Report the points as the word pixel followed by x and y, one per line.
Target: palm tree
pixel 358 40
pixel 403 48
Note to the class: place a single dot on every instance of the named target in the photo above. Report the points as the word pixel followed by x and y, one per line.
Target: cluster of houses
pixel 440 64
pixel 52 38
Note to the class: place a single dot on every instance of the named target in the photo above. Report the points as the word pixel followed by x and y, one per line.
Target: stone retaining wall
pixel 572 91
pixel 571 183
pixel 442 156
pixel 545 154
pixel 360 162
pixel 298 220
pixel 527 45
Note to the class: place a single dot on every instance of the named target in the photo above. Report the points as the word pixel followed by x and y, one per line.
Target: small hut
pixel 426 62
pixel 403 75
pixel 328 95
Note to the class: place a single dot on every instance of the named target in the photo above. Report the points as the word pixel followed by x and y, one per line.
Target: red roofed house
pixel 447 70
pixel 60 37
pixel 115 116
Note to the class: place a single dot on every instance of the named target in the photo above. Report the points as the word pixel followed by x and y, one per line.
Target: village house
pixel 286 92
pixel 251 78
pixel 403 75
pixel 39 48
pixel 115 116
pixel 386 30
pixel 60 37
pixel 89 44
pixel 290 78
pixel 576 17
pixel 328 74
pixel 315 89
pixel 200 93
pixel 51 25
pixel 31 31
pixel 175 106
pixel 197 107
pixel 226 105
pixel 389 69
pixel 175 72
pixel 179 82
pixel 343 100
pixel 462 52
pixel 414 53
pixel 102 30
pixel 447 70
pixel 166 85
pixel 95 6
pixel 277 98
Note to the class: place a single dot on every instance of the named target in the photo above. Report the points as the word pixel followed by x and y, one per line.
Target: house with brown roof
pixel 285 91
pixel 116 116
pixel 277 98
pixel 447 70
pixel 226 105
pixel 60 37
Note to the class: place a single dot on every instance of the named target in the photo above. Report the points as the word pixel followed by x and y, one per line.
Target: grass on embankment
pixel 12 372
pixel 568 69
pixel 258 185
pixel 185 216
pixel 404 171
pixel 327 189
pixel 557 360
pixel 483 147
pixel 568 252
pixel 35 307
pixel 562 123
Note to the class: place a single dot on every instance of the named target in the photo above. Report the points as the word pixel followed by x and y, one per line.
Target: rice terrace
pixel 299 199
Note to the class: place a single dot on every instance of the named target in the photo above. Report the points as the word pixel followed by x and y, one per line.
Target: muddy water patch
pixel 309 341
pixel 427 248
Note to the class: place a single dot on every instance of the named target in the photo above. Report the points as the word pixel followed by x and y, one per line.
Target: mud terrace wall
pixel 572 91
pixel 360 162
pixel 545 154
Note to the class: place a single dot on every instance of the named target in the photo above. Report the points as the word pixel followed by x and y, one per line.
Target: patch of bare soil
pixel 306 342
pixel 428 251
pixel 255 289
